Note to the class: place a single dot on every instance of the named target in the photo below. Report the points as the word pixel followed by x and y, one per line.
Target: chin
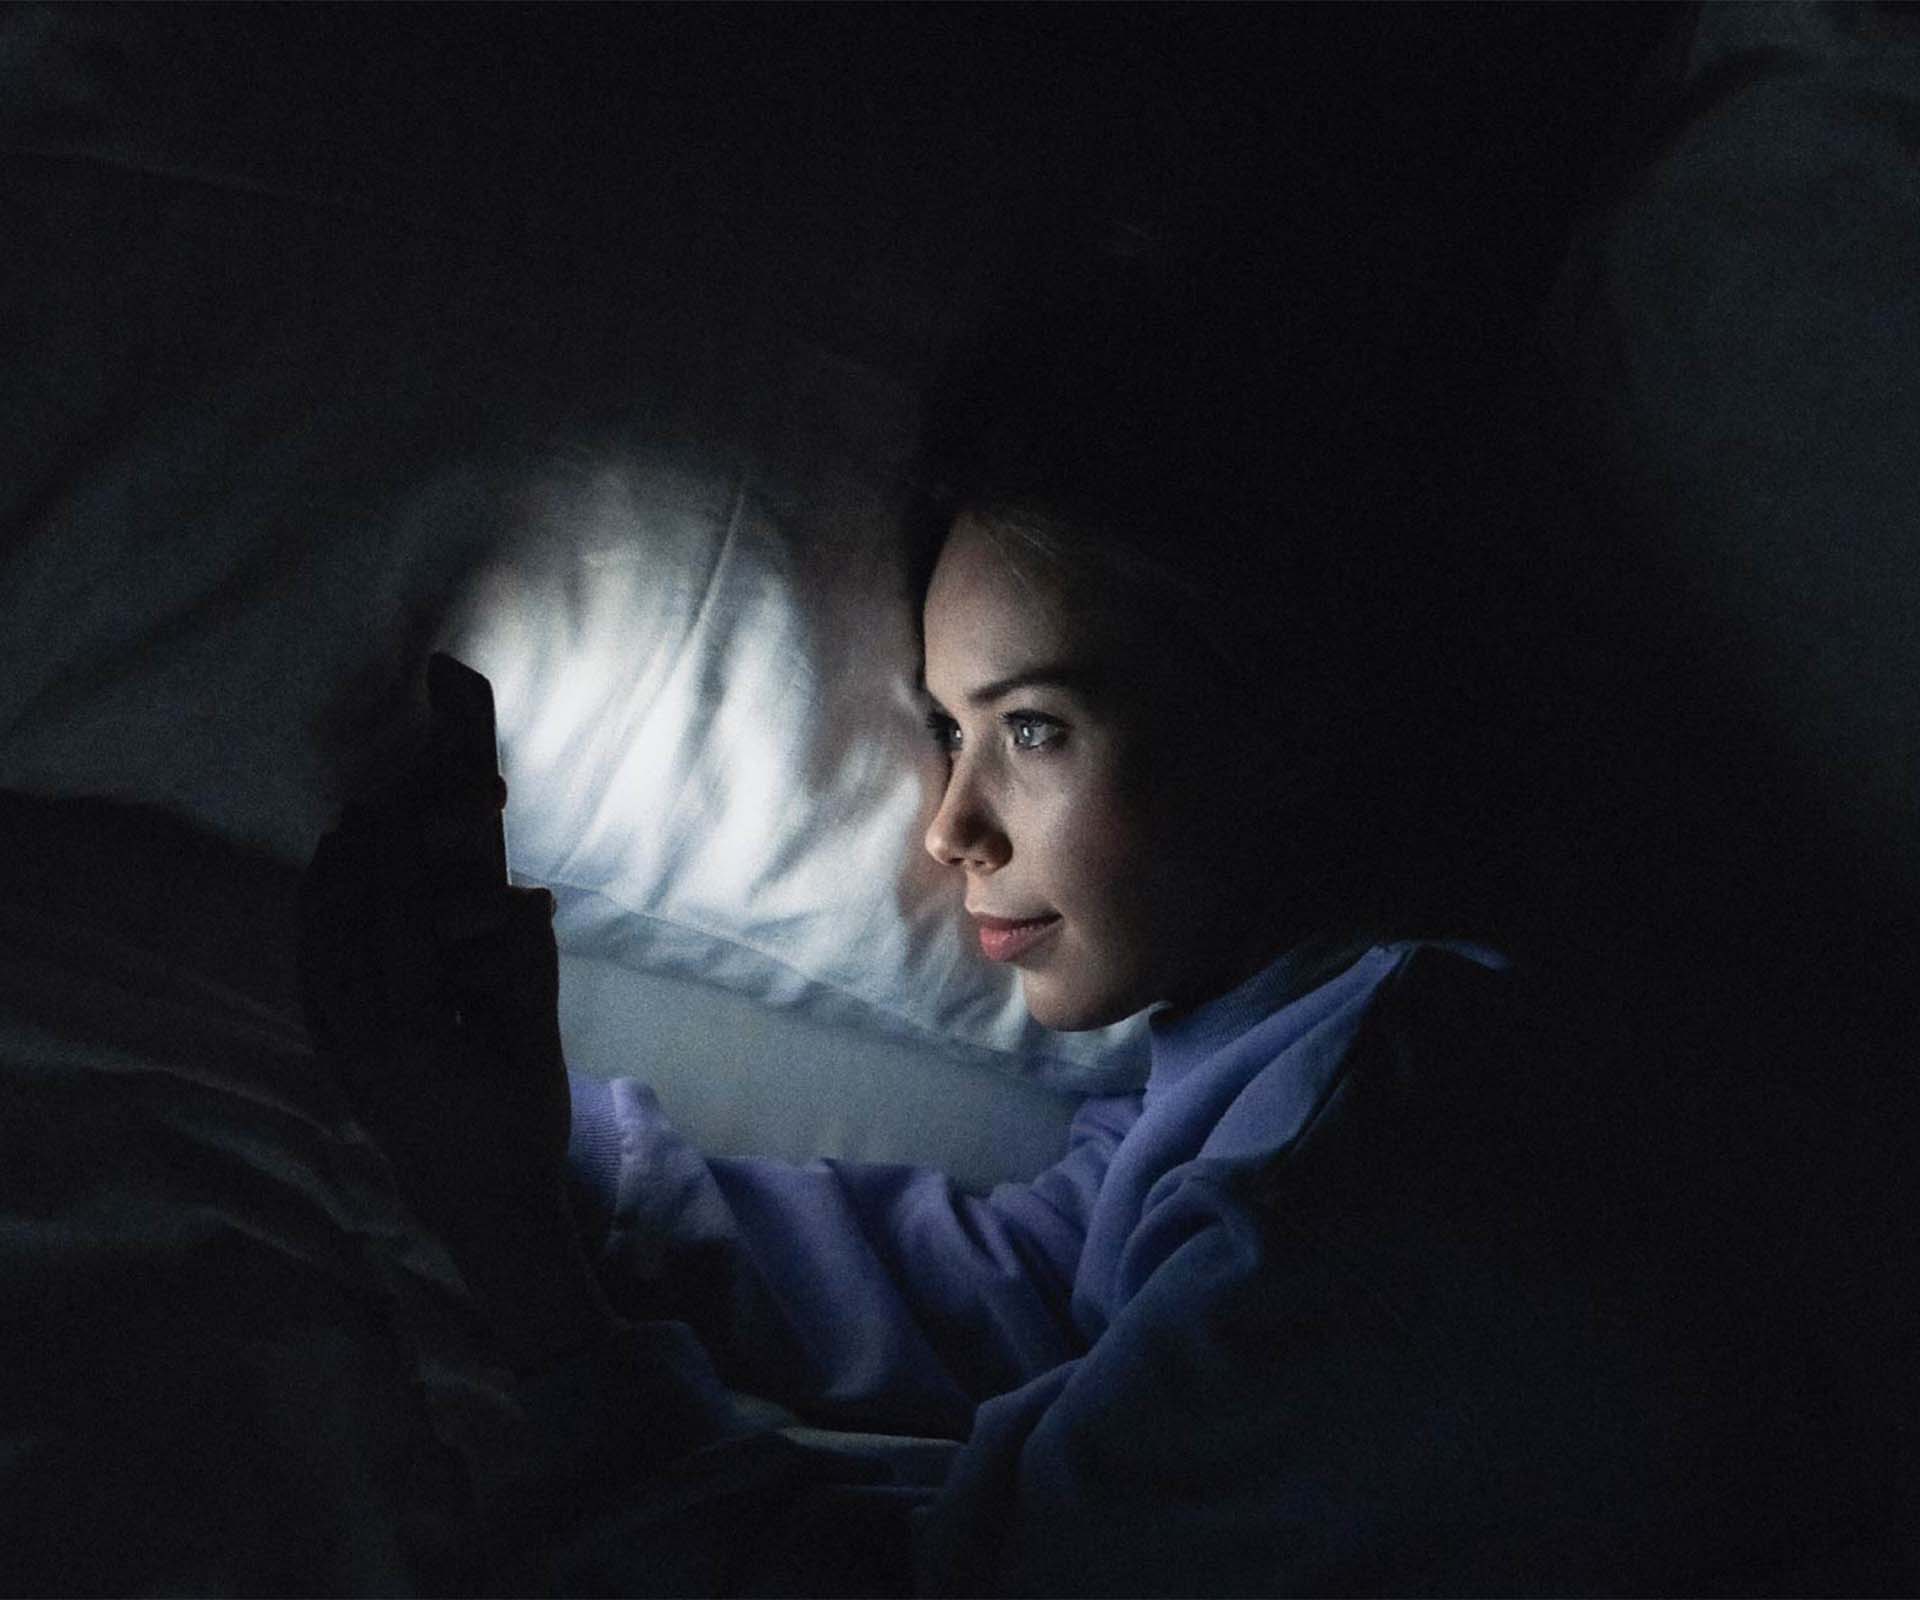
pixel 1059 1008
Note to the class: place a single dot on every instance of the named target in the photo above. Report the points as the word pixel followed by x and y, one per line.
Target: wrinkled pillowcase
pixel 716 757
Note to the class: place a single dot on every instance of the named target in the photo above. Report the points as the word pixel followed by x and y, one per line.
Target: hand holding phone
pixel 433 988
pixel 468 841
pixel 411 889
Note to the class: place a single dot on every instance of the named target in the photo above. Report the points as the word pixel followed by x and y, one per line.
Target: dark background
pixel 471 212
pixel 749 150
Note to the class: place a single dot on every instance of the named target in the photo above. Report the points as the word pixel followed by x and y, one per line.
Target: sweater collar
pixel 1181 1039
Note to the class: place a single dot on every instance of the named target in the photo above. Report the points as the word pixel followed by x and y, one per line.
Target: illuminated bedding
pixel 235 1364
pixel 269 441
pixel 263 470
pixel 265 447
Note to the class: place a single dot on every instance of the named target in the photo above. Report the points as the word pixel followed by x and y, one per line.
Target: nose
pixel 964 831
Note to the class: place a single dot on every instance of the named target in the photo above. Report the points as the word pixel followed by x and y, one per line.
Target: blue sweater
pixel 1322 1309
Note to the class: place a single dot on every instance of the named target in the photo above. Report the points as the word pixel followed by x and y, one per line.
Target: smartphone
pixel 461 703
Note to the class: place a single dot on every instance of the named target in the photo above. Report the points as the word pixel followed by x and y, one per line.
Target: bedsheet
pixel 275 428
pixel 236 1362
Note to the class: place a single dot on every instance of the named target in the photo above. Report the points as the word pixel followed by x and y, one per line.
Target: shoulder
pixel 1451 1086
pixel 1393 1117
pixel 1444 1024
pixel 1438 1028
pixel 1445 981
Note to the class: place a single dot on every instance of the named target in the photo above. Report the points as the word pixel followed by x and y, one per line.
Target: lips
pixel 1009 938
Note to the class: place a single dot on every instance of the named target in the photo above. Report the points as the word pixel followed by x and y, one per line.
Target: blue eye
pixel 944 731
pixel 1032 731
pixel 1029 731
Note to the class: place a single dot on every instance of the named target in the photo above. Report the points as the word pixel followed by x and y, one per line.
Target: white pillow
pixel 264 444
pixel 716 757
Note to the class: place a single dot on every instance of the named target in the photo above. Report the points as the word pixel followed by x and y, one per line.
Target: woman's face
pixel 1098 793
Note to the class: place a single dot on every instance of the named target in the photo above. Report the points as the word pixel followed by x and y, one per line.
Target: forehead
pixel 997 604
pixel 982 586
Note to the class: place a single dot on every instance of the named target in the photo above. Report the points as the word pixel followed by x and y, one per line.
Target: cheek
pixel 1105 966
pixel 1086 843
pixel 1106 875
pixel 1153 874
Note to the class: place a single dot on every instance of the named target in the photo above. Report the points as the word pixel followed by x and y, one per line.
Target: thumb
pixel 534 902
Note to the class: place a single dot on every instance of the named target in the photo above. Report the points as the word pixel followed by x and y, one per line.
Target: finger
pixel 521 915
pixel 514 966
pixel 466 919
pixel 450 769
pixel 460 827
pixel 403 935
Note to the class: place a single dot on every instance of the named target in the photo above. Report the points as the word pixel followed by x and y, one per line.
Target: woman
pixel 1342 1300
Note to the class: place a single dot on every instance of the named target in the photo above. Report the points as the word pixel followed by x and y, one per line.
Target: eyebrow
pixel 1053 674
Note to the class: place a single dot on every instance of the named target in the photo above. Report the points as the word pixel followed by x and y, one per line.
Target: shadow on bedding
pixel 237 1365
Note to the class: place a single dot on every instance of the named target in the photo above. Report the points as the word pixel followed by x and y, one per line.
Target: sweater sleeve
pixel 1241 1428
pixel 1277 1413
pixel 862 1294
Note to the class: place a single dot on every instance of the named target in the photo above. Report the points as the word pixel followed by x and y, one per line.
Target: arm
pixel 439 1018
pixel 866 1294
pixel 1424 1350
pixel 1247 1425
pixel 1275 1412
